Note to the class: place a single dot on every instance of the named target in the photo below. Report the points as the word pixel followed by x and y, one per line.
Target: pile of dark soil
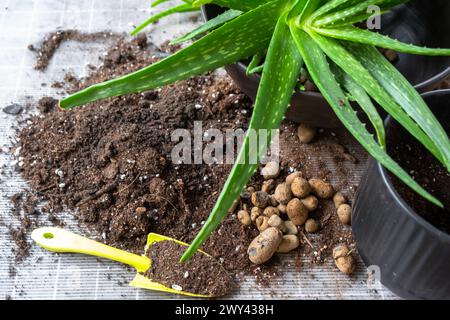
pixel 200 275
pixel 109 163
pixel 427 171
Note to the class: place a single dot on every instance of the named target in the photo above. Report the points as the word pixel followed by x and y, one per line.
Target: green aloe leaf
pixel 354 67
pixel 243 5
pixel 320 71
pixel 281 71
pixel 255 63
pixel 329 7
pixel 209 25
pixel 372 38
pixel 364 101
pixel 222 46
pixel 340 15
pixel 404 93
pixel 363 16
pixel 185 7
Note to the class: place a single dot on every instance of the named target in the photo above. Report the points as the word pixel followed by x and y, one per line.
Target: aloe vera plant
pixel 282 37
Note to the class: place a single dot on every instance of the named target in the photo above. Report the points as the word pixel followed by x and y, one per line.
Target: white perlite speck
pixel 176 287
pixel 186 274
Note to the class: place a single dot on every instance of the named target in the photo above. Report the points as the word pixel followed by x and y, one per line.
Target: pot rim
pixel 406 207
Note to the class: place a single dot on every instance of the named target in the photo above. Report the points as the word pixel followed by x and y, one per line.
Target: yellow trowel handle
pixel 59 240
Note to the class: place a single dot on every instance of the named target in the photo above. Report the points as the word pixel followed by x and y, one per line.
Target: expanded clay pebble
pixel 283 193
pixel 306 133
pixel 292 176
pixel 255 213
pixel 311 226
pixel 277 222
pixel 281 208
pixel 343 259
pixel 338 199
pixel 262 248
pixel 268 185
pixel 310 202
pixel 297 212
pixel 244 217
pixel 321 188
pixel 262 223
pixel 291 228
pixel 300 187
pixel 271 211
pixel 344 213
pixel 260 199
pixel 271 170
pixel 288 243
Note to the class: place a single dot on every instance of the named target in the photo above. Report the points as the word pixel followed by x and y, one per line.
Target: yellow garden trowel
pixel 60 240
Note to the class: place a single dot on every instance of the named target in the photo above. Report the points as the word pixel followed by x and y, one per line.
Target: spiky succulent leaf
pixel 363 16
pixel 405 95
pixel 363 100
pixel 209 25
pixel 185 7
pixel 340 15
pixel 243 5
pixel 280 74
pixel 375 39
pixel 222 46
pixel 353 67
pixel 319 70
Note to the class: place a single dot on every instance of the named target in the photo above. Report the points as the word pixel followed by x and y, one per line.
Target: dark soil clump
pixel 427 171
pixel 200 275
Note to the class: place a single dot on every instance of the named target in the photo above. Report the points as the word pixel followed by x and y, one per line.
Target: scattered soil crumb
pixel 53 41
pixel 200 274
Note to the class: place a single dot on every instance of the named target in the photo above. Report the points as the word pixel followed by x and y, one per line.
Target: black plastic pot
pixel 413 255
pixel 419 22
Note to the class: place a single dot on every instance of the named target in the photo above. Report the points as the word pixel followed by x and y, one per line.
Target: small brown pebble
pixel 291 228
pixel 271 211
pixel 255 213
pixel 262 248
pixel 343 259
pixel 268 185
pixel 251 189
pixel 283 193
pixel 321 188
pixel 310 202
pixel 306 133
pixel 288 243
pixel 276 222
pixel 311 226
pixel 297 212
pixel 260 199
pixel 292 176
pixel 262 223
pixel 300 187
pixel 245 195
pixel 282 208
pixel 271 170
pixel 141 210
pixel 338 199
pixel 244 217
pixel 344 213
